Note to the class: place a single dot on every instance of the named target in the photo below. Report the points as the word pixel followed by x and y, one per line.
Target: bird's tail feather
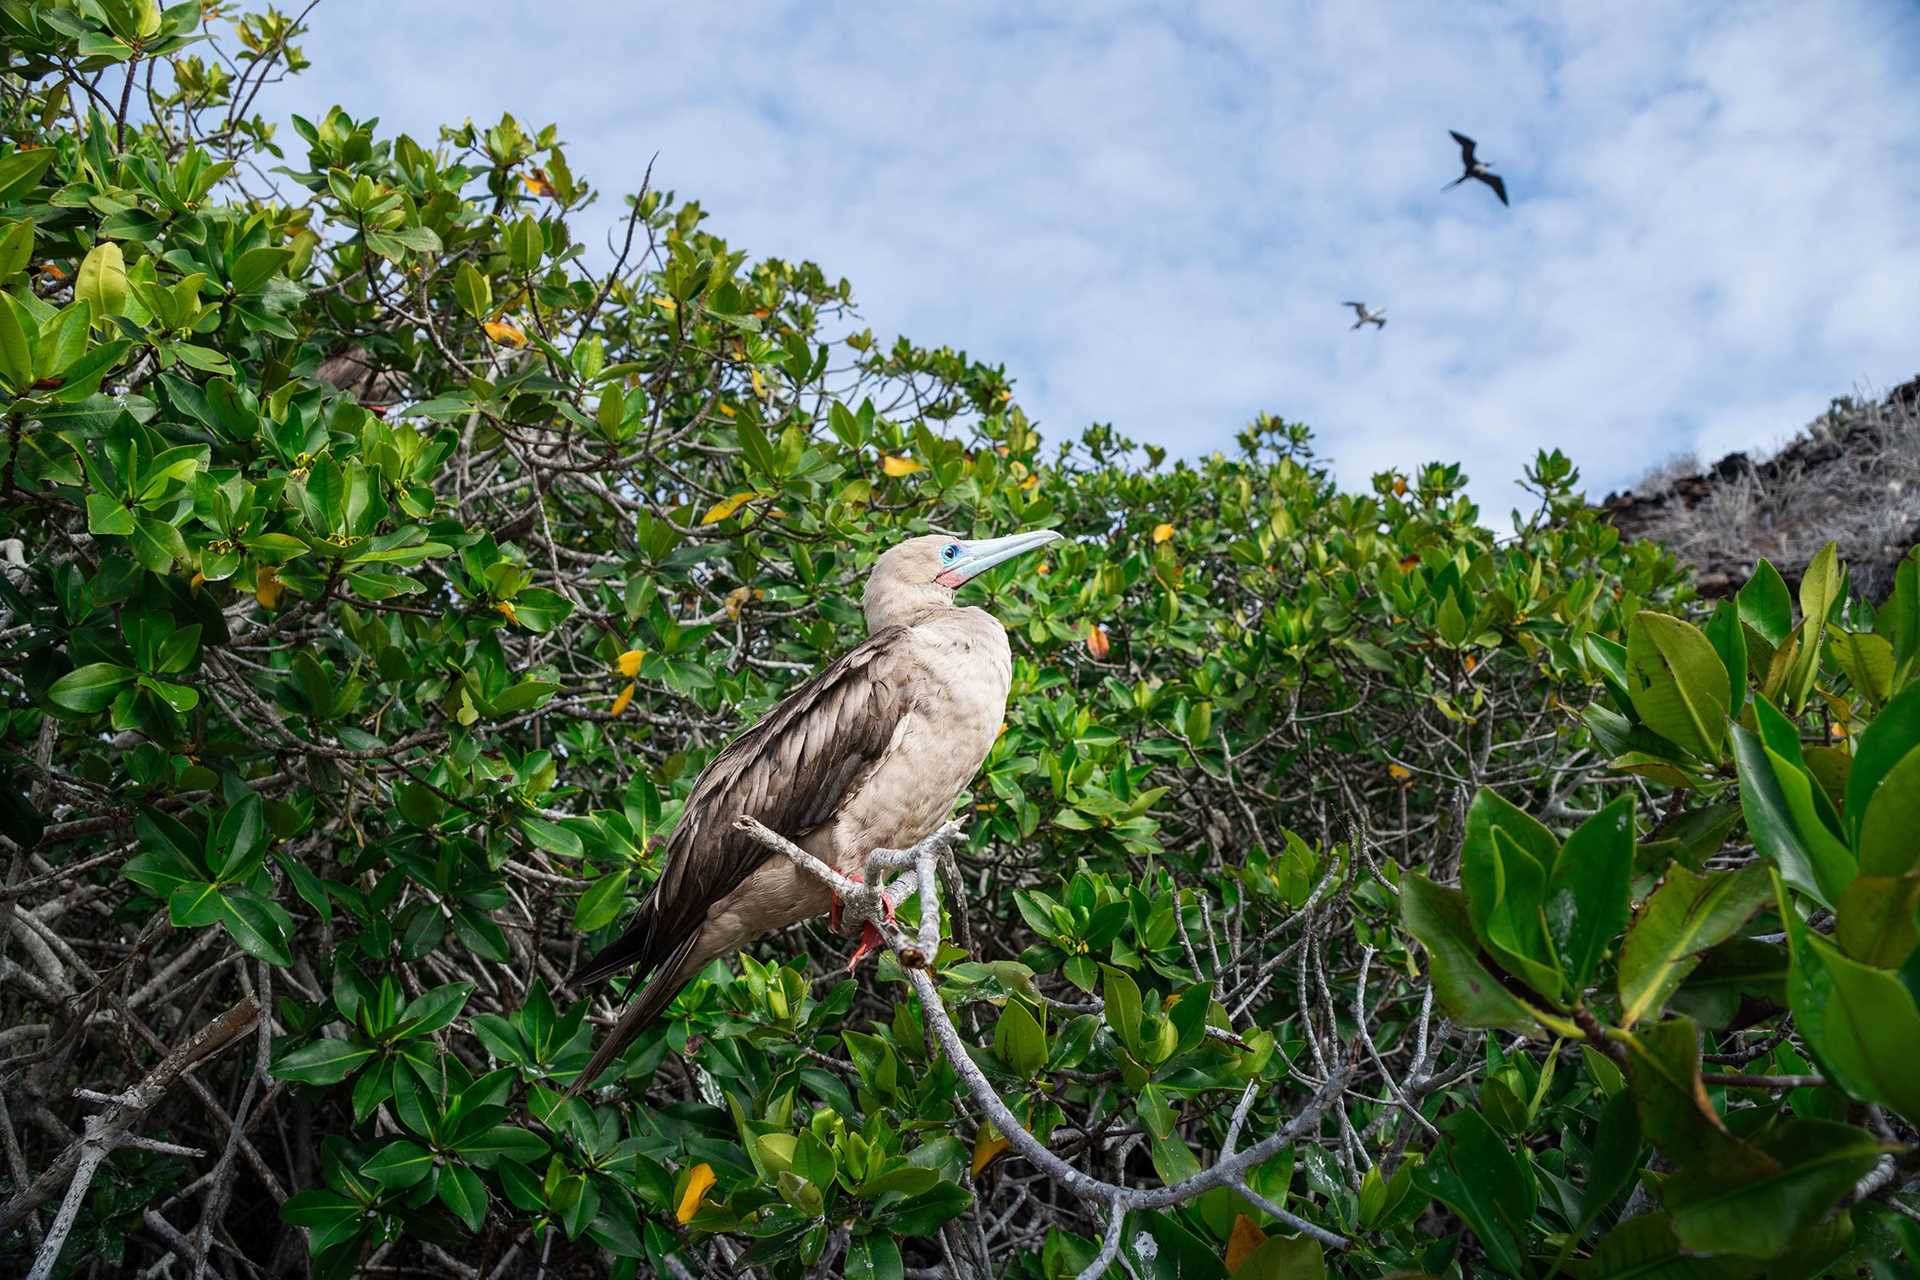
pixel 1456 182
pixel 652 1002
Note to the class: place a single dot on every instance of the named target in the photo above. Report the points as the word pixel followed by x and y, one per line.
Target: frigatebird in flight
pixel 1475 168
pixel 1378 319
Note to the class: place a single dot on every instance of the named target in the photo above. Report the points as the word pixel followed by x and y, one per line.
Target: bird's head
pixel 919 576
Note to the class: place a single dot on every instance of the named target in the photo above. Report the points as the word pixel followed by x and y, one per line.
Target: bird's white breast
pixel 963 672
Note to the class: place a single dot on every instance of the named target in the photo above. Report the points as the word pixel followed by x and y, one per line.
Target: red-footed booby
pixel 1475 168
pixel 870 753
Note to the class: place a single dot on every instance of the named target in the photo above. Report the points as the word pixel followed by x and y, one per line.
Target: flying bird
pixel 870 753
pixel 1475 168
pixel 1378 319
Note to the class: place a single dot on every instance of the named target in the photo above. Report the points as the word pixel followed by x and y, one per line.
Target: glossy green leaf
pixel 1687 914
pixel 1678 683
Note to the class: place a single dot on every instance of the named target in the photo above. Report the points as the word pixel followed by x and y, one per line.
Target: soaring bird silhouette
pixel 1475 168
pixel 1378 319
pixel 870 753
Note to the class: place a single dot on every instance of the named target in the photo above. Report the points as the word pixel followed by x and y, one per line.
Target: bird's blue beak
pixel 962 561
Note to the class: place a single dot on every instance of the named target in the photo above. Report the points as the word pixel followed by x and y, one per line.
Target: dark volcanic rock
pixel 1852 477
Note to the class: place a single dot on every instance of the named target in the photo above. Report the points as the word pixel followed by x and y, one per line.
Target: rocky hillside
pixel 1852 476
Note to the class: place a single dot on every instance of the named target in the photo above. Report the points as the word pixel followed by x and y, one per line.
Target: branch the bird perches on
pixel 865 903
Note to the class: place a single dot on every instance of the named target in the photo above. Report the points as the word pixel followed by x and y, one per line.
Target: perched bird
pixel 1378 319
pixel 870 753
pixel 1475 168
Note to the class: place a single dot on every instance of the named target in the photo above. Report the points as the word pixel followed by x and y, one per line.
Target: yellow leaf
pixel 665 303
pixel 197 579
pixel 1245 1239
pixel 1097 642
pixel 1161 532
pixel 736 600
pixel 1006 394
pixel 620 703
pixel 1030 481
pixel 629 662
pixel 537 184
pixel 505 332
pixel 1399 773
pixel 506 608
pixel 1399 486
pixel 1471 663
pixel 697 1184
pixel 985 1148
pixel 899 466
pixel 1837 731
pixel 727 506
pixel 728 409
pixel 759 383
pixel 52 271
pixel 1043 568
pixel 268 588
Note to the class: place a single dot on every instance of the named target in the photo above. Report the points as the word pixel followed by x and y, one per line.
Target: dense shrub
pixel 391 565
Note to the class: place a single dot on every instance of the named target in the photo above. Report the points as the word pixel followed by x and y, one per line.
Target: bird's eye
pixel 951 552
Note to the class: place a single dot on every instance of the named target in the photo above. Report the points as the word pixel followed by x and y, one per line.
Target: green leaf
pixel 1018 1039
pixel 21 170
pixel 600 905
pixel 1480 1178
pixel 550 836
pixel 1730 642
pixel 1772 791
pixel 323 1062
pixel 90 688
pixel 1588 893
pixel 328 1217
pixel 16 353
pixel 473 291
pixel 1861 1023
pixel 1678 683
pixel 257 266
pixel 16 249
pixel 399 1164
pixel 101 282
pixel 259 926
pixel 1875 920
pixel 1503 869
pixel 1473 996
pixel 1811 1165
pixel 1820 585
pixel 1645 1248
pixel 1284 1258
pixel 504 1142
pixel 431 1010
pixel 156 544
pixel 874 1257
pixel 1890 739
pixel 1687 914
pixel 464 1195
pixel 1890 831
pixel 1867 659
pixel 1663 1061
pixel 1122 999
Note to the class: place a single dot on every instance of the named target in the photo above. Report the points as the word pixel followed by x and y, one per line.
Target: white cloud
pixel 1151 214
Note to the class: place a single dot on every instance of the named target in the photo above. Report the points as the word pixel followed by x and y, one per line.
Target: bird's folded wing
pixel 791 771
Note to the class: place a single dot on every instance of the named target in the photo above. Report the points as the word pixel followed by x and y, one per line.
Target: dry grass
pixel 1851 477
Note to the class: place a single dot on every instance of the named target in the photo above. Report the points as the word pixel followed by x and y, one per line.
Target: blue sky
pixel 1151 213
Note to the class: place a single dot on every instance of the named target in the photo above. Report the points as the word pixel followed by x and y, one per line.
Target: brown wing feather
pixel 791 771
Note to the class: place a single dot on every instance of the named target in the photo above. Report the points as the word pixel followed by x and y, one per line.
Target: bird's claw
pixel 871 939
pixel 870 942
